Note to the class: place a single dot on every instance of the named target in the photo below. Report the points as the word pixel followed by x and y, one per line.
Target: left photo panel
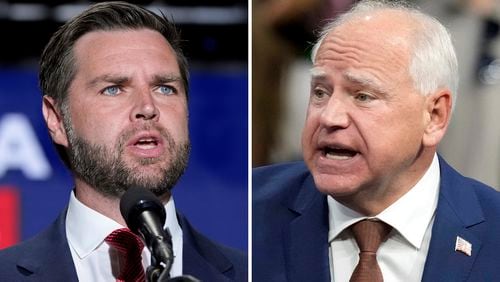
pixel 124 140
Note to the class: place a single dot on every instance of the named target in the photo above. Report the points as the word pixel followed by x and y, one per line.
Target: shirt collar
pixel 409 215
pixel 86 228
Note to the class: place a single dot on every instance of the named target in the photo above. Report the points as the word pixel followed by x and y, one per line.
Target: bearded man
pixel 115 85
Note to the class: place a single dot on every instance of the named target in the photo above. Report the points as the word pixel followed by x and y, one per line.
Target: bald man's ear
pixel 438 115
pixel 54 121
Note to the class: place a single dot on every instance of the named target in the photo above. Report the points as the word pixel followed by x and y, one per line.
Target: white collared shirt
pixel 86 230
pixel 402 256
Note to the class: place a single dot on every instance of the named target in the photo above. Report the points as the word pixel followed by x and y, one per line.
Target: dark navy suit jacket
pixel 290 228
pixel 47 257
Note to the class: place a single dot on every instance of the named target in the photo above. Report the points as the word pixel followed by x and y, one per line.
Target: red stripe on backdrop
pixel 9 216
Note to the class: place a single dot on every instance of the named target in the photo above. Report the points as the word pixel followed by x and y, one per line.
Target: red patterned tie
pixel 369 234
pixel 130 247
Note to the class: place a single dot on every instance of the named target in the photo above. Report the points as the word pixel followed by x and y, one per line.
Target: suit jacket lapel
pixel 201 258
pixel 457 212
pixel 48 257
pixel 306 236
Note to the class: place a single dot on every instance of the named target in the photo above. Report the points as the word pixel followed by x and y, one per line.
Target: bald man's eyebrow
pixel 317 73
pixel 360 80
pixel 365 82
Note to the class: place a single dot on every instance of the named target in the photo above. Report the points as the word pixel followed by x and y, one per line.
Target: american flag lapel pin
pixel 462 245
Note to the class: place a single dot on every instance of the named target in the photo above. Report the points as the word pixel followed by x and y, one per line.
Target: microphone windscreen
pixel 137 200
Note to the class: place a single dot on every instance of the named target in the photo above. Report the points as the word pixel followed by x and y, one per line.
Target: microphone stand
pixel 159 270
pixel 159 273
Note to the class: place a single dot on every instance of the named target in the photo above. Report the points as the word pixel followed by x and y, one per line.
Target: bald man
pixel 383 86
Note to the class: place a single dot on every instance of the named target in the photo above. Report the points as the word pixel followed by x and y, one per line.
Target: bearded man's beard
pixel 106 171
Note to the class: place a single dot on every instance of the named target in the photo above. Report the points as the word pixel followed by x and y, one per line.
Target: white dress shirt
pixel 86 230
pixel 402 256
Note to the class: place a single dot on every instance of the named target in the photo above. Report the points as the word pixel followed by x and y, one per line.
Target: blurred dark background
pixel 215 31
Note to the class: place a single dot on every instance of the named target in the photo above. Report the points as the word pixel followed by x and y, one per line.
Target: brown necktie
pixel 368 234
pixel 130 247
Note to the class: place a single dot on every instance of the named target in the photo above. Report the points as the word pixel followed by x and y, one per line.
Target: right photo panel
pixel 375 140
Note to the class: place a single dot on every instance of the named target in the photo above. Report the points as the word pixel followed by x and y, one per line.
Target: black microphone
pixel 145 216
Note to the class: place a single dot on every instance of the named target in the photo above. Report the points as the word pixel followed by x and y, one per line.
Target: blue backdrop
pixel 35 186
